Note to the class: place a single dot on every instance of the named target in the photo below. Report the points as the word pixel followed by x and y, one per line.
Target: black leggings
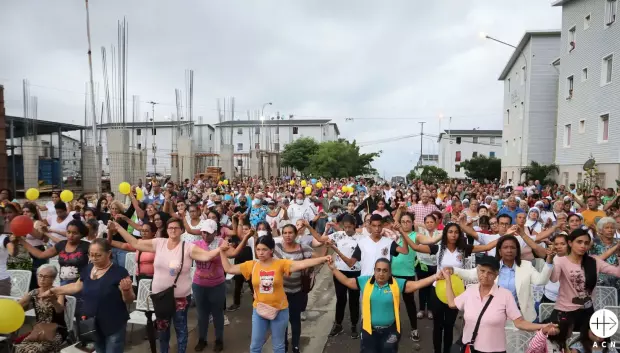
pixel 239 279
pixel 296 303
pixel 425 293
pixel 341 299
pixel 409 299
pixel 443 324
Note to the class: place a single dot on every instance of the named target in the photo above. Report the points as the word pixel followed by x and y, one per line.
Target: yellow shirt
pixel 268 281
pixel 592 217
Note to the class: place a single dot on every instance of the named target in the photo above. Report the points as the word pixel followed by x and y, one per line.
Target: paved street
pixel 314 338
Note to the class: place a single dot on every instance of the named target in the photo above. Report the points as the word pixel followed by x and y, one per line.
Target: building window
pixel 107 161
pixel 492 154
pixel 569 85
pixel 567 131
pixel 572 38
pixel 475 139
pixel 295 130
pixel 457 168
pixel 507 116
pixel 492 140
pixel 474 155
pixel 506 149
pixel 600 179
pixel 458 140
pixel 584 74
pixel 582 126
pixel 607 69
pixel 154 131
pixel 457 158
pixel 611 6
pixel 139 146
pixel 508 85
pixel 586 21
pixel 139 132
pixel 239 131
pixel 239 146
pixel 257 146
pixel 604 128
pixel 239 163
pixel 210 137
pixel 579 177
pixel 257 130
pixel 523 75
pixel 276 146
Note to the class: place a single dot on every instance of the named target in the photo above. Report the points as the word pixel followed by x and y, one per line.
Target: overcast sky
pixel 388 67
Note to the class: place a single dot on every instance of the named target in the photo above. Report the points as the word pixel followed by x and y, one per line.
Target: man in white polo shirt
pixel 370 249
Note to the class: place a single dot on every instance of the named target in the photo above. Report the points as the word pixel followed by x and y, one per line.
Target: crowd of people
pixel 382 242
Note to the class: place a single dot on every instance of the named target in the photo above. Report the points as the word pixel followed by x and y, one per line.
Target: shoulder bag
pixel 307 275
pixel 459 346
pixel 164 303
pixel 42 331
pixel 263 310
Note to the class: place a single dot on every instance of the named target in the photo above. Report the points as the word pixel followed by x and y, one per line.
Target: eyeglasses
pixel 173 228
pixel 46 277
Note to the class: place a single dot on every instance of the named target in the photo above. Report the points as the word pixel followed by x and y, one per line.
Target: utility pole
pixel 421 141
pixel 92 103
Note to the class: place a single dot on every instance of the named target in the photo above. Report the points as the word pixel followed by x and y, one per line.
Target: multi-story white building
pixel 49 149
pixel 163 135
pixel 429 160
pixel 456 146
pixel 270 135
pixel 589 90
pixel 530 103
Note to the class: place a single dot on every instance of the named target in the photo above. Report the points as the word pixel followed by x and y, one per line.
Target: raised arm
pixel 307 263
pixel 118 244
pixel 412 286
pixel 484 248
pixel 228 267
pixel 67 289
pixel 350 283
pixel 200 254
pixel 350 261
pixel 48 253
pixel 140 245
pixel 449 292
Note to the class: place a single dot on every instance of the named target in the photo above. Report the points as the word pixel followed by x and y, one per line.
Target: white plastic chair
pixel 20 282
pixel 56 264
pixel 130 266
pixel 545 310
pixel 517 341
pixel 537 292
pixel 604 296
pixel 70 305
pixel 143 304
pixel 469 262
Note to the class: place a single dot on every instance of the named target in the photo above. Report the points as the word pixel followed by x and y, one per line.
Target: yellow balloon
pixel 124 188
pixel 292 182
pixel 308 190
pixel 32 194
pixel 139 194
pixel 66 196
pixel 319 185
pixel 303 183
pixel 345 188
pixel 12 316
pixel 226 182
pixel 458 287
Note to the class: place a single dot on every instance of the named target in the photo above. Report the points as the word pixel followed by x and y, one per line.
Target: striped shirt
pixel 292 283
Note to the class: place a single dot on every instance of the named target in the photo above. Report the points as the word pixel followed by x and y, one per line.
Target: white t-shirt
pixel 4 255
pixel 487 238
pixel 368 252
pixel 51 211
pixel 346 244
pixel 449 259
pixel 62 226
pixel 190 238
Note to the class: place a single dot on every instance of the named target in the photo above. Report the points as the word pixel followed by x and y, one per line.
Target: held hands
pixel 331 264
pixel 224 246
pixel 125 284
pixel 446 273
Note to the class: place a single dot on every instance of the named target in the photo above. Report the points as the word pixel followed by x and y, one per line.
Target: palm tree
pixel 541 172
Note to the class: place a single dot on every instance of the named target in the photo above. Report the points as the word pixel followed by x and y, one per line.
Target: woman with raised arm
pixel 172 257
pixel 381 294
pixel 267 275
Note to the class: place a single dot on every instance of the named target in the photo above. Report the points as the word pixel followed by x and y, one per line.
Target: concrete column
pixel 273 165
pixel 226 160
pixel 59 157
pixel 118 155
pixel 186 159
pixel 30 156
pixel 4 167
pixel 254 163
pixel 89 168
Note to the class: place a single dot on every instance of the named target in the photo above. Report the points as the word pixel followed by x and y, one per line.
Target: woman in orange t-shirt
pixel 267 276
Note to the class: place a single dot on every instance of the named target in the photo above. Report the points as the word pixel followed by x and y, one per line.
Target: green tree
pixel 339 159
pixel 482 168
pixel 298 153
pixel 429 174
pixel 542 172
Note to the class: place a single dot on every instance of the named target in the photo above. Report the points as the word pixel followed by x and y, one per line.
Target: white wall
pixel 467 147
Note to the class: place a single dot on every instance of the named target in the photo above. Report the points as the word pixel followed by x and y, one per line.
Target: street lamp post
pixel 525 82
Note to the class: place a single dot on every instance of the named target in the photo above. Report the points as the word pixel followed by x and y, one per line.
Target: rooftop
pixel 473 132
pixel 43 127
pixel 519 49
pixel 560 2
pixel 150 124
pixel 281 122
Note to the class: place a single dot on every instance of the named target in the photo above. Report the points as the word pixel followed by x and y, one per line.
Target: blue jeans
pixel 114 343
pixel 260 327
pixel 382 340
pixel 118 257
pixel 210 301
pixel 180 327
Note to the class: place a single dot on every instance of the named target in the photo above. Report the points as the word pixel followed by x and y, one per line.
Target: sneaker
pixel 200 346
pixel 420 315
pixel 354 334
pixel 415 337
pixel 233 307
pixel 219 346
pixel 303 315
pixel 210 319
pixel 336 330
pixel 226 322
pixel 296 350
